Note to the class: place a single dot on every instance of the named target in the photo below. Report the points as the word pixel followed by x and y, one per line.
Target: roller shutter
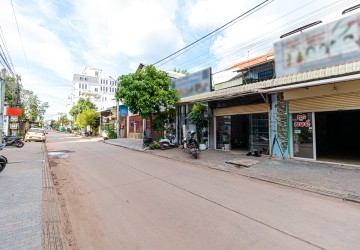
pixel 344 101
pixel 246 109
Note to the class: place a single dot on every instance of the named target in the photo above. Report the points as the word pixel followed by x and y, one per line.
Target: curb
pixel 51 225
pixel 287 183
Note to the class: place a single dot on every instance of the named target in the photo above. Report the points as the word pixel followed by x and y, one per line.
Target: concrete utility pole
pixel 117 125
pixel 2 97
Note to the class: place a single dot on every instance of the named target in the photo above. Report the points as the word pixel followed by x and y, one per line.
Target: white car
pixel 35 134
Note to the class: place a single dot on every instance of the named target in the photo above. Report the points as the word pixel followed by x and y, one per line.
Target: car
pixel 35 134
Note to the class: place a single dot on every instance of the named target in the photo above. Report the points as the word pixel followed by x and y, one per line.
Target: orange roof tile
pixel 253 61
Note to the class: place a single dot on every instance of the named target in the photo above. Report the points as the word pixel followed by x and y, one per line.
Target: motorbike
pixel 191 146
pixel 147 141
pixel 168 142
pixel 15 141
pixel 3 159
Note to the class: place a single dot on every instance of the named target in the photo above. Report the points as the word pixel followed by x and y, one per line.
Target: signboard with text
pixel 193 84
pixel 335 43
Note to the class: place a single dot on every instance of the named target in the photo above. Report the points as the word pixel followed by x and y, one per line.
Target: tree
pixel 146 92
pixel 64 120
pixel 197 117
pixel 87 117
pixel 33 109
pixel 82 105
pixel 12 91
pixel 182 71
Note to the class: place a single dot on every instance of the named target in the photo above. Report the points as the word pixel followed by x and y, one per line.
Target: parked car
pixel 35 134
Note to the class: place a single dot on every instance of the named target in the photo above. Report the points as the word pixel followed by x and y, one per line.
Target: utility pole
pixel 117 125
pixel 2 97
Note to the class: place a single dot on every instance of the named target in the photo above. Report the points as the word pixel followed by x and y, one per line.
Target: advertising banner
pixel 124 111
pixel 193 84
pixel 335 43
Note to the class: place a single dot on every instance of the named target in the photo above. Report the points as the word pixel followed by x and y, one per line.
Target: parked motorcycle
pixel 191 146
pixel 168 142
pixel 147 141
pixel 3 159
pixel 15 141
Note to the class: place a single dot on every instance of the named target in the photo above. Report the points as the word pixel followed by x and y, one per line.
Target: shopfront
pixel 325 121
pixel 242 127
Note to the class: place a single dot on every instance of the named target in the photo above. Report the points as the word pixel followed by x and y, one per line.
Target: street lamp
pixel 117 112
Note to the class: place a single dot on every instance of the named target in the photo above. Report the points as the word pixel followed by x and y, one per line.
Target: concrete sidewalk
pixel 323 178
pixel 25 198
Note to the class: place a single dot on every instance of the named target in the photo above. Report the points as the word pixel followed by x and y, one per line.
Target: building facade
pixel 93 84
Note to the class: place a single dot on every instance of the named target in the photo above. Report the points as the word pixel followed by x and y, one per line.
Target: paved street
pixel 118 198
pixel 21 198
pixel 330 179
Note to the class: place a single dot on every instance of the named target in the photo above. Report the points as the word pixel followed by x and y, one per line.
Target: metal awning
pixel 311 83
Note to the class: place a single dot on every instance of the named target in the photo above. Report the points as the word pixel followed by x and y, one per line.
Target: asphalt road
pixel 117 198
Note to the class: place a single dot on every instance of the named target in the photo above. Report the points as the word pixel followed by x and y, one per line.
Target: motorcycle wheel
pixel 162 147
pixel 195 154
pixel 2 163
pixel 19 144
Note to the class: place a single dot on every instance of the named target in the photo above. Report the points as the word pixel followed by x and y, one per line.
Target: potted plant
pixel 197 117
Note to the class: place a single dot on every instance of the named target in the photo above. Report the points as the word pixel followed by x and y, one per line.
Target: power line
pixel 245 13
pixel 22 45
pixel 6 48
pixel 261 40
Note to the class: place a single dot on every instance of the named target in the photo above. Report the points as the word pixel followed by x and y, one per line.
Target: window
pixel 79 85
pixel 106 89
pixel 96 89
pixel 85 85
pixel 85 79
pixel 79 93
pixel 81 78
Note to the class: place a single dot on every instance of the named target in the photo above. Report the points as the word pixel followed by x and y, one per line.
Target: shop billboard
pixel 193 84
pixel 335 43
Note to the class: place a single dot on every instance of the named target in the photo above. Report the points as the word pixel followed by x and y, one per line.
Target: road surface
pixel 118 198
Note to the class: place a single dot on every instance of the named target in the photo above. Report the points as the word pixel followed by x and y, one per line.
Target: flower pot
pixel 202 146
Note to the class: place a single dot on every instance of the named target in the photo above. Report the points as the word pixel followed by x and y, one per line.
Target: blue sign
pixel 124 111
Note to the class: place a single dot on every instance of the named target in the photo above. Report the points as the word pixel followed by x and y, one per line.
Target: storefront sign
pixel 124 111
pixel 193 84
pixel 13 111
pixel 302 121
pixel 331 44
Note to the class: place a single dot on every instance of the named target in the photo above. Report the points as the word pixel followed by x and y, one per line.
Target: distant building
pixel 92 84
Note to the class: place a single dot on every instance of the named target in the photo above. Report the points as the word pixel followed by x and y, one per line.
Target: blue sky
pixel 62 37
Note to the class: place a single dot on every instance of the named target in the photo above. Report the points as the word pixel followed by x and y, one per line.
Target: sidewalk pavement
pixel 328 179
pixel 25 183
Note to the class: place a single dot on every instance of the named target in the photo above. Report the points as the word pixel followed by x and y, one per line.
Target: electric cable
pixel 212 32
pixel 234 50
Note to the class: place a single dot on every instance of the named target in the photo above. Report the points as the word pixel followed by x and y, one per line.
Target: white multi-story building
pixel 91 84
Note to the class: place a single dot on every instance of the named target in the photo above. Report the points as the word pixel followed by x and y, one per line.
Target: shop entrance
pixel 248 132
pixel 338 136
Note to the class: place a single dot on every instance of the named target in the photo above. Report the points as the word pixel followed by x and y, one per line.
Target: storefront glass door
pixel 303 135
pixel 223 132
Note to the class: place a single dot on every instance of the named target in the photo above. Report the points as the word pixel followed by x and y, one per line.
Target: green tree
pixel 87 117
pixel 146 92
pixel 12 91
pixel 197 117
pixel 82 105
pixel 182 71
pixel 33 109
pixel 64 120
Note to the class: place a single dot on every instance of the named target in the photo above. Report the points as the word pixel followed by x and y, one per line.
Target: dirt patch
pixel 68 234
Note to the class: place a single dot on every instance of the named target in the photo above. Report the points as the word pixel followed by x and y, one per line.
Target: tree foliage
pixel 197 117
pixel 147 92
pixel 33 108
pixel 182 71
pixel 87 117
pixel 81 106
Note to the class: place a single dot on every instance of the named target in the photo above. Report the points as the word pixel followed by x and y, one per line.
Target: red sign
pixel 12 111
